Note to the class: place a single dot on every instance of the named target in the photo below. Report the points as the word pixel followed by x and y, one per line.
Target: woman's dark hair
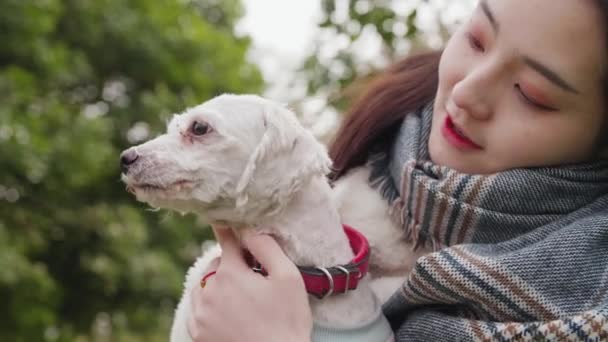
pixel 603 138
pixel 375 118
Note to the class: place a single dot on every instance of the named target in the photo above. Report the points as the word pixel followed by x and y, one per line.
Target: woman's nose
pixel 473 94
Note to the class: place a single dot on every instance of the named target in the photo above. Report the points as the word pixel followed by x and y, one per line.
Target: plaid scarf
pixel 519 255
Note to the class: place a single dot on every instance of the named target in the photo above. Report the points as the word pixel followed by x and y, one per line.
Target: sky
pixel 284 27
pixel 282 32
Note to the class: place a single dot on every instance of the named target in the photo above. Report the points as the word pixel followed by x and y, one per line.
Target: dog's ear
pixel 289 155
pixel 306 159
pixel 260 151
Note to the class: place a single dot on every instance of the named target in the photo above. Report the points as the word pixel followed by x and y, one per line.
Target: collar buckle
pixel 347 272
pixel 330 279
pixel 323 282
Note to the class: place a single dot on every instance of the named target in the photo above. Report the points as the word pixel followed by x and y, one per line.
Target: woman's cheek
pixel 456 65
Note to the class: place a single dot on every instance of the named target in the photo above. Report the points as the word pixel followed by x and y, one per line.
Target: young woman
pixel 492 152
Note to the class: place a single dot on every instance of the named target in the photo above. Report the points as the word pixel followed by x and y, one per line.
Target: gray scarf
pixel 520 254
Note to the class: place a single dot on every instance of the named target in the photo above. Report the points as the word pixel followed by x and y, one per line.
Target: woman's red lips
pixel 456 137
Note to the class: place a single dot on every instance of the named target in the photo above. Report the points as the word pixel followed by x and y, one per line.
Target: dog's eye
pixel 200 128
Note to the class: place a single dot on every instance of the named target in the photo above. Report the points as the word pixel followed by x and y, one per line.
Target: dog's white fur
pixel 258 168
pixel 392 257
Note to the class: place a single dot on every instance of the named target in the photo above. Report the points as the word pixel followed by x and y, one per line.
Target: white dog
pixel 246 162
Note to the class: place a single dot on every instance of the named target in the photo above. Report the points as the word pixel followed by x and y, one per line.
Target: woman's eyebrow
pixel 549 74
pixel 490 15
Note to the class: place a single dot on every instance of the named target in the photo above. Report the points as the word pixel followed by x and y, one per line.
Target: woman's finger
pixel 266 250
pixel 232 252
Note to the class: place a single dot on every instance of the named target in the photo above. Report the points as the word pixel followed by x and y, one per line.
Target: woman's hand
pixel 238 304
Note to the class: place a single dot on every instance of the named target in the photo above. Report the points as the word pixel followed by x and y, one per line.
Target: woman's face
pixel 520 85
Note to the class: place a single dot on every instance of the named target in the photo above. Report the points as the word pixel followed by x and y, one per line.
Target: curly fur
pixel 255 168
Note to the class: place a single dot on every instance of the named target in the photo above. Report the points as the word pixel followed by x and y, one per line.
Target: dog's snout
pixel 127 158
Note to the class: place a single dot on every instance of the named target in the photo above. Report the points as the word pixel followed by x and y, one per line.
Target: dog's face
pixel 231 159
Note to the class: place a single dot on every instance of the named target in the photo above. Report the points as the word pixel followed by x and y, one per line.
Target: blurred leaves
pixel 81 80
pixel 358 38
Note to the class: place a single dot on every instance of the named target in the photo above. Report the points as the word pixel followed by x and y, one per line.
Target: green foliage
pixel 394 25
pixel 81 80
pixel 349 24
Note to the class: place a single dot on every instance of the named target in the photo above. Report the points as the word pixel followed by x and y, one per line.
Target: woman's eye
pixel 200 128
pixel 475 43
pixel 528 100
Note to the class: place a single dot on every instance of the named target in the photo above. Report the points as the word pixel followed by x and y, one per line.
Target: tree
pixel 81 80
pixel 358 38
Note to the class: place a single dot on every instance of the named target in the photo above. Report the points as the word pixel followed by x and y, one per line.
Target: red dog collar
pixel 322 282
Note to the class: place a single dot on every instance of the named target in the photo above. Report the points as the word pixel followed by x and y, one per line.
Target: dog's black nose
pixel 127 158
